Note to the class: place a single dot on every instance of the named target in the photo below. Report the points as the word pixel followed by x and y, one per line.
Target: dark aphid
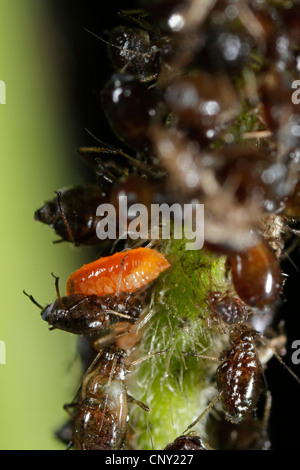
pixel 188 442
pixel 239 376
pixel 131 50
pixel 101 414
pixel 227 307
pixel 90 314
pixel 73 214
pixel 129 106
pixel 256 275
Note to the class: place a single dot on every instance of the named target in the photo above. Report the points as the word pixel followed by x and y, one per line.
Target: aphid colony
pixel 201 103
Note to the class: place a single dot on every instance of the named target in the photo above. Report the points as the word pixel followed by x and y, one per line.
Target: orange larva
pixel 121 272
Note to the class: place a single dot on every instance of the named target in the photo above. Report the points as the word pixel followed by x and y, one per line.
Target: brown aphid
pixel 187 442
pixel 256 275
pixel 239 376
pixel 72 214
pixel 89 314
pixel 227 307
pixel 101 414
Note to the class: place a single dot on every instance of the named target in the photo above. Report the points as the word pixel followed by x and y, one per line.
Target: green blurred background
pixel 37 151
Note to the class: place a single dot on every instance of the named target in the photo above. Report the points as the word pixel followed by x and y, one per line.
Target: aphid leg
pixel 145 358
pixel 201 356
pixel 64 219
pixel 33 300
pixel 267 411
pixel 68 406
pixel 69 445
pixel 104 341
pixel 211 404
pixel 137 402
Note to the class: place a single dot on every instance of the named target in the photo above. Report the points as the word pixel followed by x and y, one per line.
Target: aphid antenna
pixel 278 357
pixel 33 300
pixel 64 219
pixel 57 290
pixel 211 404
pixel 142 54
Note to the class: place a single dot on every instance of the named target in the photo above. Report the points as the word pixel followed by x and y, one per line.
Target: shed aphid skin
pixel 100 419
pixel 141 266
pixel 90 314
pixel 239 376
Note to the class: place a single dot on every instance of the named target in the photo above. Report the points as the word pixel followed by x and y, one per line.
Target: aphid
pixel 101 414
pixel 187 442
pixel 256 275
pixel 72 214
pixel 227 307
pixel 239 376
pixel 90 314
pixel 121 272
pixel 132 50
pixel 129 106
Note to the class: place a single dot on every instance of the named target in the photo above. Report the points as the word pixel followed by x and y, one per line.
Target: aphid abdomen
pixel 101 425
pixel 238 380
pixel 100 419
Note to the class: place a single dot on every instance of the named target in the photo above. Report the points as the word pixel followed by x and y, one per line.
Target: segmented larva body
pixel 121 272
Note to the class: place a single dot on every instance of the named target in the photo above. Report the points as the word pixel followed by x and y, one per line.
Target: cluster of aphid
pixel 202 97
